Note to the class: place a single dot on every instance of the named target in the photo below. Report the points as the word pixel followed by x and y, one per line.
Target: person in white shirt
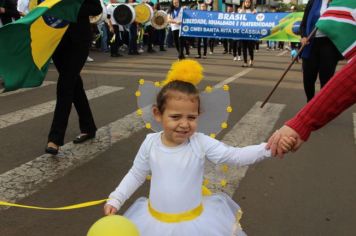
pixel 247 45
pixel 175 14
pixel 23 7
pixel 175 158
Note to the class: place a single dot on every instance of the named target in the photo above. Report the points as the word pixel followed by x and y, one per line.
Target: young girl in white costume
pixel 175 158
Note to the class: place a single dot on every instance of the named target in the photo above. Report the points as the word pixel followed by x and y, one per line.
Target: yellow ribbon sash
pixel 175 217
pixel 71 207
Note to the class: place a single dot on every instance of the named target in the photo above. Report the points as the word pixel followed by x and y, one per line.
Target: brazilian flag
pixel 27 44
pixel 287 28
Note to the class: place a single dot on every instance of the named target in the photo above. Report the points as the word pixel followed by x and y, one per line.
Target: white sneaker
pixel 140 50
pixel 235 58
pixel 210 52
pixel 239 58
pixel 89 59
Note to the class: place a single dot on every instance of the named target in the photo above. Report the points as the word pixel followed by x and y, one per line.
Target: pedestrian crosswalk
pixel 48 107
pixel 23 181
pixel 44 84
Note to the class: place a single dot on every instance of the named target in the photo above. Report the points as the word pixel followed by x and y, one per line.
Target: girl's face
pixel 176 3
pixel 247 3
pixel 203 7
pixel 179 119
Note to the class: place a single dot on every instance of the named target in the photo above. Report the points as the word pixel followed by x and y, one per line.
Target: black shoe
pixel 51 150
pixel 224 52
pixel 151 50
pixel 116 55
pixel 162 49
pixel 83 137
pixel 181 57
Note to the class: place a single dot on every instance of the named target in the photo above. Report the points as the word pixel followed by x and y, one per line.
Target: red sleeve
pixel 335 97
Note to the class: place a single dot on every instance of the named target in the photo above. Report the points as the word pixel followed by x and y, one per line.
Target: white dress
pixel 177 177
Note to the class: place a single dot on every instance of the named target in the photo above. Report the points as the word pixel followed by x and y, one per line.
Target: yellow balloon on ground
pixel 113 225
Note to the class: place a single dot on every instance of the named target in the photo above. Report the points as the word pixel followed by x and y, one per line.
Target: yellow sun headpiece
pixel 215 104
pixel 185 70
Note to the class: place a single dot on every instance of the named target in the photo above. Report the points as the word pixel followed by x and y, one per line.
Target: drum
pixel 101 17
pixel 159 20
pixel 144 13
pixel 124 14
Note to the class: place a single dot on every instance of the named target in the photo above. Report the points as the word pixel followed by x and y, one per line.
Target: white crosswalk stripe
pixel 28 178
pixel 44 84
pixel 282 53
pixel 48 107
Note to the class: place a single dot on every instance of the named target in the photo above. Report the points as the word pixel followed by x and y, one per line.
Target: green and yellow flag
pixel 27 45
pixel 287 28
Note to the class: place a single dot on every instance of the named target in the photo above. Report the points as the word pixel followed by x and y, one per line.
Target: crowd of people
pixel 134 38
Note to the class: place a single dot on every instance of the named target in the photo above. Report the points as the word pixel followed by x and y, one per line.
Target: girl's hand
pixel 287 143
pixel 109 210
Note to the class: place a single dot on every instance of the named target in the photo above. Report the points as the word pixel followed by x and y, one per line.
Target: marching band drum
pixel 125 14
pixel 159 20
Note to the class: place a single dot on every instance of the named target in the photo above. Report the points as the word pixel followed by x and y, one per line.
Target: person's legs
pixel 257 45
pixel 244 51
pixel 211 45
pixel 104 37
pixel 175 34
pixel 69 60
pixel 329 57
pixel 81 103
pixel 225 44
pixel 251 46
pixel 205 45
pixel 310 72
pixel 199 47
pixel 182 46
pixel 234 49
pixel 161 34
pixel 186 44
pixel 150 31
pixel 239 47
pixel 133 39
pixel 114 48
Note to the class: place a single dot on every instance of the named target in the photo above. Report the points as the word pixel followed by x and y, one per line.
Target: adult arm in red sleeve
pixel 336 96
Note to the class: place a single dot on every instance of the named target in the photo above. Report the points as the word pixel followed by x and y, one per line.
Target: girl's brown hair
pixel 178 86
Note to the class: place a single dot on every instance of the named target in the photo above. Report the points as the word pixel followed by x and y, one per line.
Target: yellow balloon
pixel 113 225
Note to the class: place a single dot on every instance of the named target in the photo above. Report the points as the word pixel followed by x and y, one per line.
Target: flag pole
pixel 288 68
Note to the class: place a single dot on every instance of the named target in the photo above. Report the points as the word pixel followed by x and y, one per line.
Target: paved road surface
pixel 311 192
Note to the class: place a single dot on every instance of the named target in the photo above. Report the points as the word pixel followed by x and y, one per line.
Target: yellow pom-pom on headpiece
pixel 185 70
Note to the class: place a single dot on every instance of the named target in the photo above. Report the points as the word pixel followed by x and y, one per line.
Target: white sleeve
pixel 134 178
pixel 218 152
pixel 22 6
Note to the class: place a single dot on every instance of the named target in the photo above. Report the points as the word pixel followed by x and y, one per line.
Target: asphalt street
pixel 310 192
